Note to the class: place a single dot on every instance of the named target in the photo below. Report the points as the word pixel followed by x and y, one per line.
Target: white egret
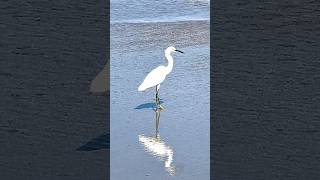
pixel 157 76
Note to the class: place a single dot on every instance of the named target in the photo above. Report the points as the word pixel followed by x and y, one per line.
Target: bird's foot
pixel 160 107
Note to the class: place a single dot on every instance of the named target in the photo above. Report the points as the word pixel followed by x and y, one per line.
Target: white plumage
pixel 158 75
pixel 154 78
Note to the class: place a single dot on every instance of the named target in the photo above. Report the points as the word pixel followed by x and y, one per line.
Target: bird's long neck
pixel 170 62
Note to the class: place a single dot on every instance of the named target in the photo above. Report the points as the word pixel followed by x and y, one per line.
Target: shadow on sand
pixel 99 86
pixel 100 142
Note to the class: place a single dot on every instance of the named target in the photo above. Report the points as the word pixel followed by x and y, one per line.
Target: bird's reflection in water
pixel 155 146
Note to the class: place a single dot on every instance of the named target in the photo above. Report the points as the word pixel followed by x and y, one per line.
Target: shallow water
pixel 181 149
pixel 184 124
pixel 158 11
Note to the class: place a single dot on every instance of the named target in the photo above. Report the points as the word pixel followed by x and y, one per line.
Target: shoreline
pixel 155 22
pixel 135 36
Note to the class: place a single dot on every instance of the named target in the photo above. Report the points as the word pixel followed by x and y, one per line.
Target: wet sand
pixel 265 90
pixel 139 36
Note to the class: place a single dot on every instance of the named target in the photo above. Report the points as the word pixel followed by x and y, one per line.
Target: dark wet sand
pixel 51 127
pixel 265 91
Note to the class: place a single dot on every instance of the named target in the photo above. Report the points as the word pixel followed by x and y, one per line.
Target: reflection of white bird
pixel 158 148
pixel 157 76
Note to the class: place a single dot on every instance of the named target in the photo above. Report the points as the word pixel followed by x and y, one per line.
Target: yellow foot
pixel 161 107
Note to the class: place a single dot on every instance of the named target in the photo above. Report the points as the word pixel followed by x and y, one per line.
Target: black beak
pixel 179 51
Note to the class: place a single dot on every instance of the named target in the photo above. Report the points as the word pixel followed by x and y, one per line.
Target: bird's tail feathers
pixel 141 88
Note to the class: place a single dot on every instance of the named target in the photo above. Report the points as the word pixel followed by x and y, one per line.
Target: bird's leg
pixel 157 96
pixel 158 87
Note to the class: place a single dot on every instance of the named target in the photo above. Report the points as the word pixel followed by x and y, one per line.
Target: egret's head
pixel 172 49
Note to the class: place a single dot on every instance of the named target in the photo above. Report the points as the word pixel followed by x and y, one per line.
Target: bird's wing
pixel 154 78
